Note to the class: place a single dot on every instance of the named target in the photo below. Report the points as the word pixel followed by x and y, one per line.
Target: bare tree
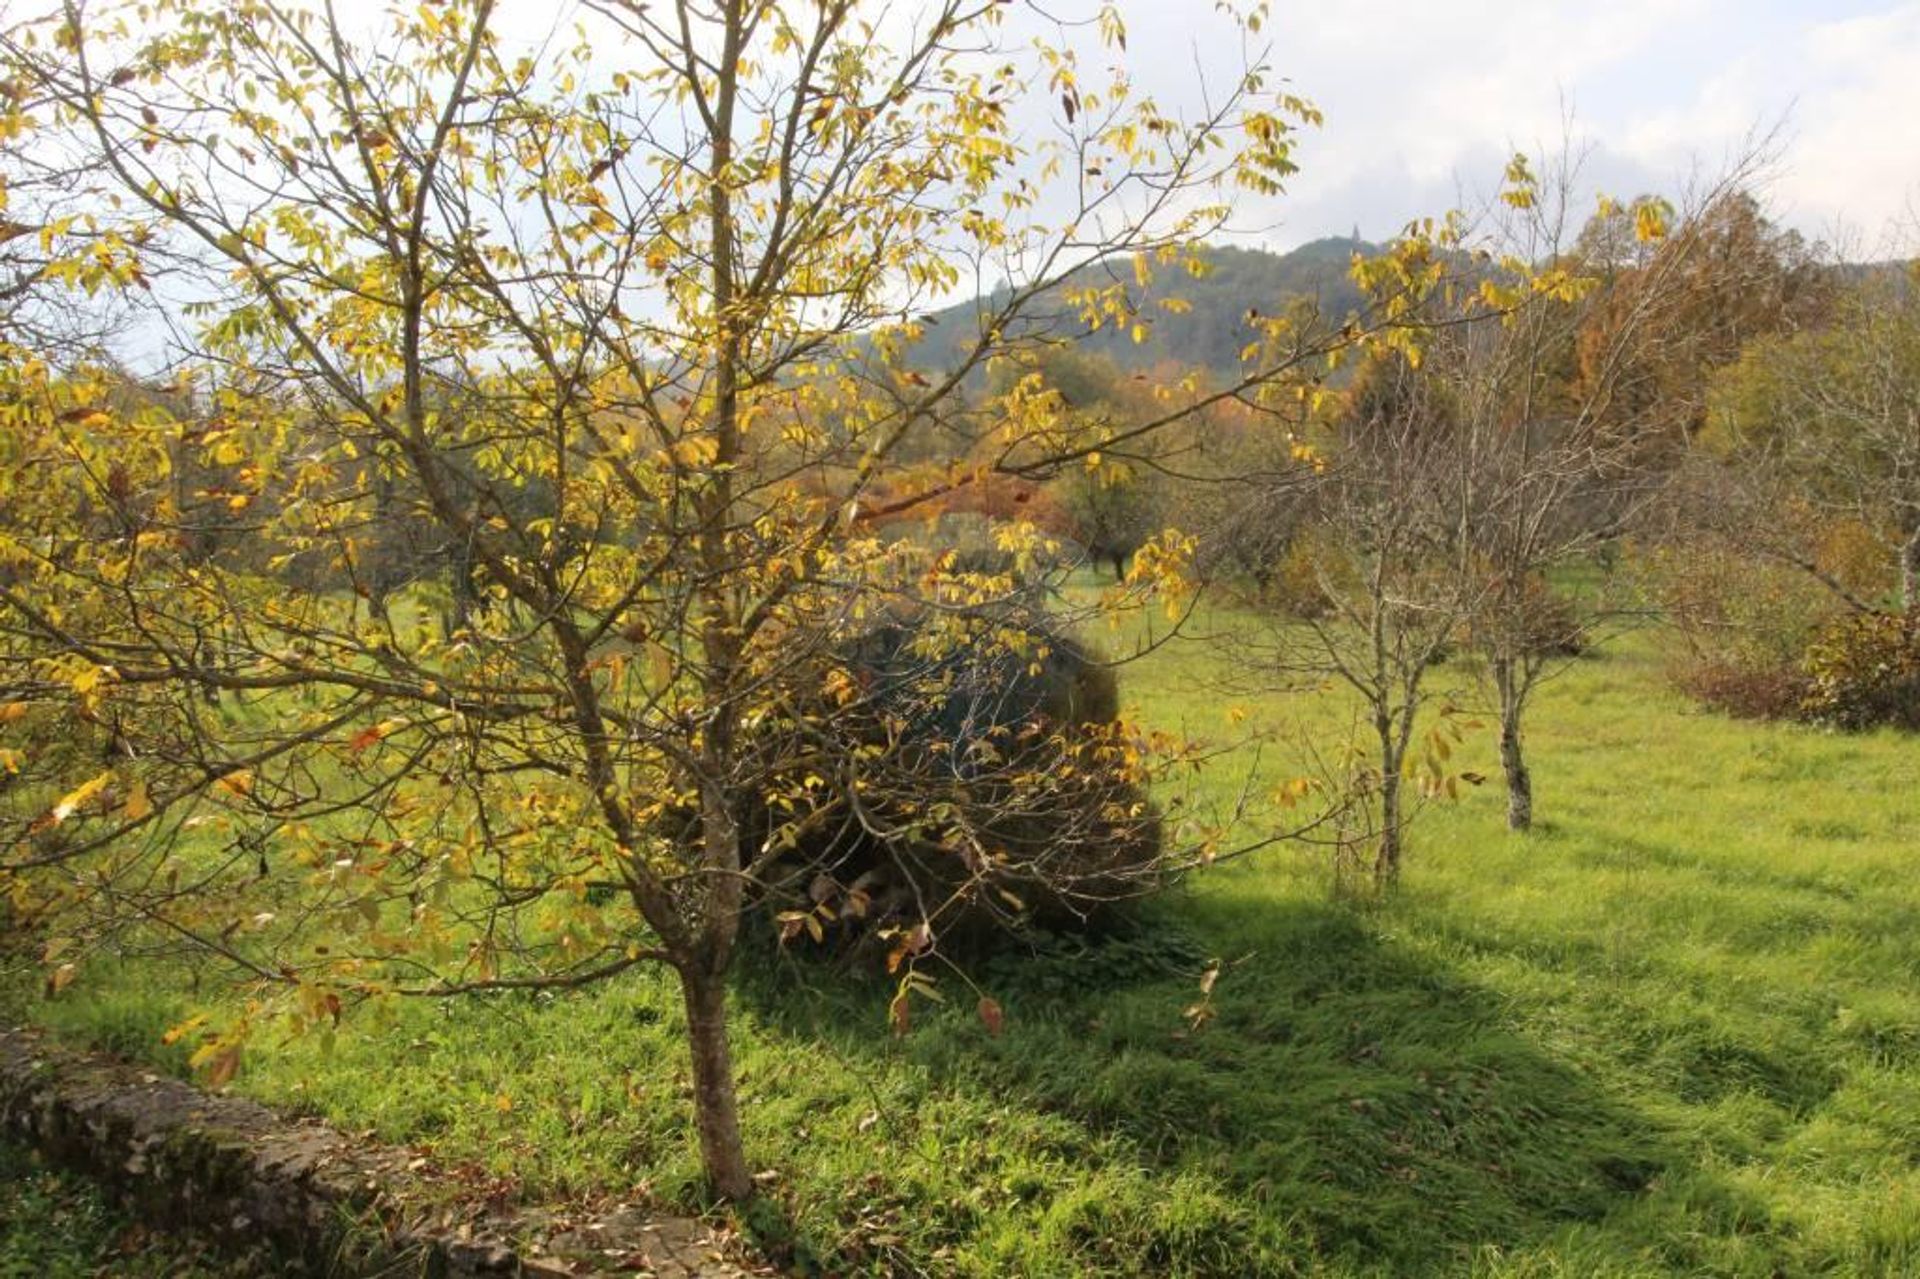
pixel 1381 520
pixel 1567 409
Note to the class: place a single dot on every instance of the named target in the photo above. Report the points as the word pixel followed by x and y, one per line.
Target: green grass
pixel 1674 1031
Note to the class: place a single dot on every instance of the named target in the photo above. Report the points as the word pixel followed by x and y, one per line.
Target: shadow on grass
pixel 1343 1102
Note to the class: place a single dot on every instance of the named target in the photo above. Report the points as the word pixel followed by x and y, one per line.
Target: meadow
pixel 1675 1030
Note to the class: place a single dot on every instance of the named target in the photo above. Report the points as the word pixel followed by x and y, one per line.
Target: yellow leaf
pixel 1649 223
pixel 139 803
pixel 72 800
pixel 185 1028
pixel 222 1066
pixel 60 978
pixel 88 679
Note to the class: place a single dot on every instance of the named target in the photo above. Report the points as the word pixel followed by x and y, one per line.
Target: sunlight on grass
pixel 1674 1030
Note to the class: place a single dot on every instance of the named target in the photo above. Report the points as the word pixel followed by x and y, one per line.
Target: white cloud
pixel 1423 99
pixel 1857 153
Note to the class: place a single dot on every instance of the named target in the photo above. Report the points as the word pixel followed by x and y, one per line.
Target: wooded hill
pixel 1211 335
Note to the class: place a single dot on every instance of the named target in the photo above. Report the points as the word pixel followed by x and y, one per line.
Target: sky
pixel 1425 101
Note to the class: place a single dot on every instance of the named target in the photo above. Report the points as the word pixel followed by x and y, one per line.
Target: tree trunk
pixel 1512 754
pixel 1519 780
pixel 1910 574
pixel 1386 862
pixel 716 1110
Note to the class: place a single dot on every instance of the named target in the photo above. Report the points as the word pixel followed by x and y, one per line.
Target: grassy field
pixel 1674 1031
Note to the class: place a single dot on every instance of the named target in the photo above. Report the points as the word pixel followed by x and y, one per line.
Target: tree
pixel 621 326
pixel 1685 304
pixel 1566 409
pixel 1381 514
pixel 1828 421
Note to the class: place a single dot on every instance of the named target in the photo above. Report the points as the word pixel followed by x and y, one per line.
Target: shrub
pixel 1550 623
pixel 1744 626
pixel 993 788
pixel 1863 671
pixel 1295 585
pixel 1745 691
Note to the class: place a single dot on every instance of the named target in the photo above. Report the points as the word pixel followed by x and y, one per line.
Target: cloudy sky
pixel 1424 100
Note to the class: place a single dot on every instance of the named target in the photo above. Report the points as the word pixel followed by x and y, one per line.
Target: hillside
pixel 1214 331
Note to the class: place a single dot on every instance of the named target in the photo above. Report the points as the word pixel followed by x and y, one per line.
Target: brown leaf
pixel 222 1066
pixel 992 1016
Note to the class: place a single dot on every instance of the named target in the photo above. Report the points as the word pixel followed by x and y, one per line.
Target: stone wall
pixel 318 1202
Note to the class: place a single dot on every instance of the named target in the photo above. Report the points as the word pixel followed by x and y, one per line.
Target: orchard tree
pixel 619 322
pixel 1564 410
pixel 1380 508
pixel 1457 475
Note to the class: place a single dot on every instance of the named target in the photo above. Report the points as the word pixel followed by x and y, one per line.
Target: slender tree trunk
pixel 1910 574
pixel 1519 779
pixel 1386 861
pixel 1512 753
pixel 716 1109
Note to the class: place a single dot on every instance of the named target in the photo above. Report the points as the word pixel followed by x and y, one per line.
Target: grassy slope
pixel 1675 1031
